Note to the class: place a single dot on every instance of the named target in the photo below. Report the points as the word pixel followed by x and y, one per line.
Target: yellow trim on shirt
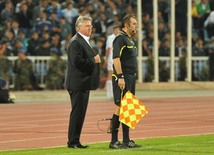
pixel 122 50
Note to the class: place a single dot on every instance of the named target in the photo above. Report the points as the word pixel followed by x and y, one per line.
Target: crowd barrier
pixel 40 66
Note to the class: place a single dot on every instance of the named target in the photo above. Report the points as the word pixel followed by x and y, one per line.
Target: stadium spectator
pixel 56 71
pixel 8 12
pixel 55 24
pixel 43 4
pixel 164 49
pixel 80 3
pixel 163 71
pixel 195 16
pixel 10 43
pixel 6 26
pixel 18 5
pixel 55 43
pixel 31 4
pixel 70 12
pixel 150 37
pixel 45 37
pixel 100 25
pixel 64 43
pixel 108 64
pixel 24 18
pixel 182 65
pixel 127 10
pixel 15 28
pixel 199 49
pixel 43 24
pixel 99 48
pixel 146 21
pixel 33 44
pixel 180 47
pixel 146 51
pixel 111 23
pixel 147 7
pixel 112 9
pixel 54 7
pixel 18 47
pixel 54 20
pixel 167 36
pixel 65 28
pixel 177 36
pixel 23 69
pixel 181 17
pixel 43 49
pixel 5 63
pixel 160 18
pixel 164 9
pixel 162 30
pixel 22 37
pixel 209 25
pixel 203 10
pixel 96 4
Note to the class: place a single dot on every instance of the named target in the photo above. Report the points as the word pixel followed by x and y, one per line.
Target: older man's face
pixel 85 28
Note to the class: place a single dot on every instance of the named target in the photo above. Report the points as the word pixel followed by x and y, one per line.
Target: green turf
pixel 194 145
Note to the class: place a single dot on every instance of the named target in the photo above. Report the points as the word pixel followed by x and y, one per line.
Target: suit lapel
pixel 85 44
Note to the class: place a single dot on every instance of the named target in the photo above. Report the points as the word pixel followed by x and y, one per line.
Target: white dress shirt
pixel 85 37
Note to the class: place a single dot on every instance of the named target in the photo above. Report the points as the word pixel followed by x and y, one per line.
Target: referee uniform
pixel 124 77
pixel 125 49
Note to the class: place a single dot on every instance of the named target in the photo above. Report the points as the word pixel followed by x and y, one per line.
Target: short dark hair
pixel 126 19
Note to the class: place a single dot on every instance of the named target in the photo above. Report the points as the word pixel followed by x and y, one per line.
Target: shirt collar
pixel 85 37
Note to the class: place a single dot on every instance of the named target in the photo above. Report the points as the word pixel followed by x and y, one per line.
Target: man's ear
pixel 77 28
pixel 127 25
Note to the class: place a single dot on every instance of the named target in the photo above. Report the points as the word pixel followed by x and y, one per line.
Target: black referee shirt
pixel 125 49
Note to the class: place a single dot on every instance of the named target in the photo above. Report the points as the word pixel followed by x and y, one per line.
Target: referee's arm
pixel 117 65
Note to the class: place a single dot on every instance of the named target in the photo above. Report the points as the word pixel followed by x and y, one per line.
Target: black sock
pixel 115 128
pixel 125 133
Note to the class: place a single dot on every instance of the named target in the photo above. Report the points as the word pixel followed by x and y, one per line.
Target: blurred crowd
pixel 202 36
pixel 34 27
pixel 43 28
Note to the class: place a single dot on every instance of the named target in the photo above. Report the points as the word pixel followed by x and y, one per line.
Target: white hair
pixel 82 19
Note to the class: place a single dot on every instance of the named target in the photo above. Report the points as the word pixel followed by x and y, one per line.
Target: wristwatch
pixel 120 76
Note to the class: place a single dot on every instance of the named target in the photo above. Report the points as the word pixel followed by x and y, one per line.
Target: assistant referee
pixel 124 76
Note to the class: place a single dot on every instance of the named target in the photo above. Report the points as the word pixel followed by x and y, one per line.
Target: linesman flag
pixel 131 110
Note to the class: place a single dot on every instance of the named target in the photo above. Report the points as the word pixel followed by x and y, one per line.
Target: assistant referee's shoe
pixel 130 144
pixel 116 145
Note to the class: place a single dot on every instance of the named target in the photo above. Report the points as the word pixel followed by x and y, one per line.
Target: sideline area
pixel 39 119
pixel 143 90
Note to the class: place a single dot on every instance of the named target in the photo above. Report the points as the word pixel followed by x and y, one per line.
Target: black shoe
pixel 131 144
pixel 116 145
pixel 78 146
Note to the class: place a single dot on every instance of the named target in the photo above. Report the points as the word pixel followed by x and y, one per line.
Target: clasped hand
pixel 97 59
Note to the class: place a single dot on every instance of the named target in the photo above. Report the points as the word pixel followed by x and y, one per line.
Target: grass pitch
pixel 185 145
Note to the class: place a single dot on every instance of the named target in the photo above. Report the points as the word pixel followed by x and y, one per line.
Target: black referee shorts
pixel 130 80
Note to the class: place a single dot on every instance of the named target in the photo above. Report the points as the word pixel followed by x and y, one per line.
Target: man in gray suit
pixel 82 76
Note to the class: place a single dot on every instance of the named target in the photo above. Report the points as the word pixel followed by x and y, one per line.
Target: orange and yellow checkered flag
pixel 131 110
